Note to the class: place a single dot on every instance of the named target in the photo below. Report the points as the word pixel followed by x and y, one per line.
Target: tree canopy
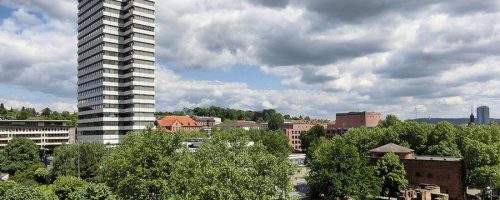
pixel 228 167
pixel 20 154
pixel 231 165
pixel 392 172
pixel 339 171
pixel 30 113
pixel 66 160
pixel 315 133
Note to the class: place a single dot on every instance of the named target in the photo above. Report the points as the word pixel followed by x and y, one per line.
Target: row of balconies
pixel 115 101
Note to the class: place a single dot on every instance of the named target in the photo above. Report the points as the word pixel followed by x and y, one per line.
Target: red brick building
pixel 176 123
pixel 345 121
pixel 446 172
pixel 293 131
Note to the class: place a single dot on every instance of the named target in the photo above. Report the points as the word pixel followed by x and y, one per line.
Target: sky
pixel 299 57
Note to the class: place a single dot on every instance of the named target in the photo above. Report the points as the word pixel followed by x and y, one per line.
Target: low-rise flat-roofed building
pixel 345 121
pixel 446 172
pixel 47 134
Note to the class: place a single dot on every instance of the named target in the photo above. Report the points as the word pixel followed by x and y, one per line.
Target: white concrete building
pixel 47 134
pixel 116 57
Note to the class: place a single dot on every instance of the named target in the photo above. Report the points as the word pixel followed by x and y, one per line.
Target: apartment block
pixel 293 131
pixel 47 134
pixel 116 68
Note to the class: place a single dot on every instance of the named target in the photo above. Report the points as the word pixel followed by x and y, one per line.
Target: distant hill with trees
pixel 30 113
pixel 229 114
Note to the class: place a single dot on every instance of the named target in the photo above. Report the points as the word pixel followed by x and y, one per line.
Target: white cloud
pixel 441 56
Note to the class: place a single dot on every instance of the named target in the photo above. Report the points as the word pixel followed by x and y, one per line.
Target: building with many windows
pixel 483 115
pixel 293 131
pixel 47 134
pixel 116 58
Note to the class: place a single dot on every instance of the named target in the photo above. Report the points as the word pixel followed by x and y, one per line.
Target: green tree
pixel 392 172
pixel 64 185
pixel 66 160
pixel 6 185
pixel 20 154
pixel 43 175
pixel 415 134
pixel 140 168
pixel 275 142
pixel 275 121
pixel 389 121
pixel 366 139
pixel 339 171
pixel 23 192
pixel 92 191
pixel 29 176
pixel 315 133
pixel 46 112
pixel 442 140
pixel 228 166
pixel 481 176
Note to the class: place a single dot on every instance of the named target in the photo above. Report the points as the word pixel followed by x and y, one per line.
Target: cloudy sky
pixel 300 57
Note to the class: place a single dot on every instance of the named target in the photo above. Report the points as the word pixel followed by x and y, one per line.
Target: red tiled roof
pixel 184 120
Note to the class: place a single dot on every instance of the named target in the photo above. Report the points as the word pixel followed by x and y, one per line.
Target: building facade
pixel 345 121
pixel 47 134
pixel 207 121
pixel 176 123
pixel 483 115
pixel 116 41
pixel 446 172
pixel 293 131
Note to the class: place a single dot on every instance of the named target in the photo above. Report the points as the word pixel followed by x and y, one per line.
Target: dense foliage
pixel 228 114
pixel 228 166
pixel 392 172
pixel 31 113
pixel 312 136
pixel 19 155
pixel 154 165
pixel 339 171
pixel 479 145
pixel 89 156
pixel 23 192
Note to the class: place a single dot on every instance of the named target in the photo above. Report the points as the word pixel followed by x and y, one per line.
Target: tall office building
pixel 483 115
pixel 116 41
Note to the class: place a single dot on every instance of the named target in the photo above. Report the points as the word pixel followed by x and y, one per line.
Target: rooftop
pixel 438 158
pixel 391 147
pixel 358 113
pixel 184 120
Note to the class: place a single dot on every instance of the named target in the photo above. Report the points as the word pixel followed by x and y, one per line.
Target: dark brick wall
pixel 449 175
